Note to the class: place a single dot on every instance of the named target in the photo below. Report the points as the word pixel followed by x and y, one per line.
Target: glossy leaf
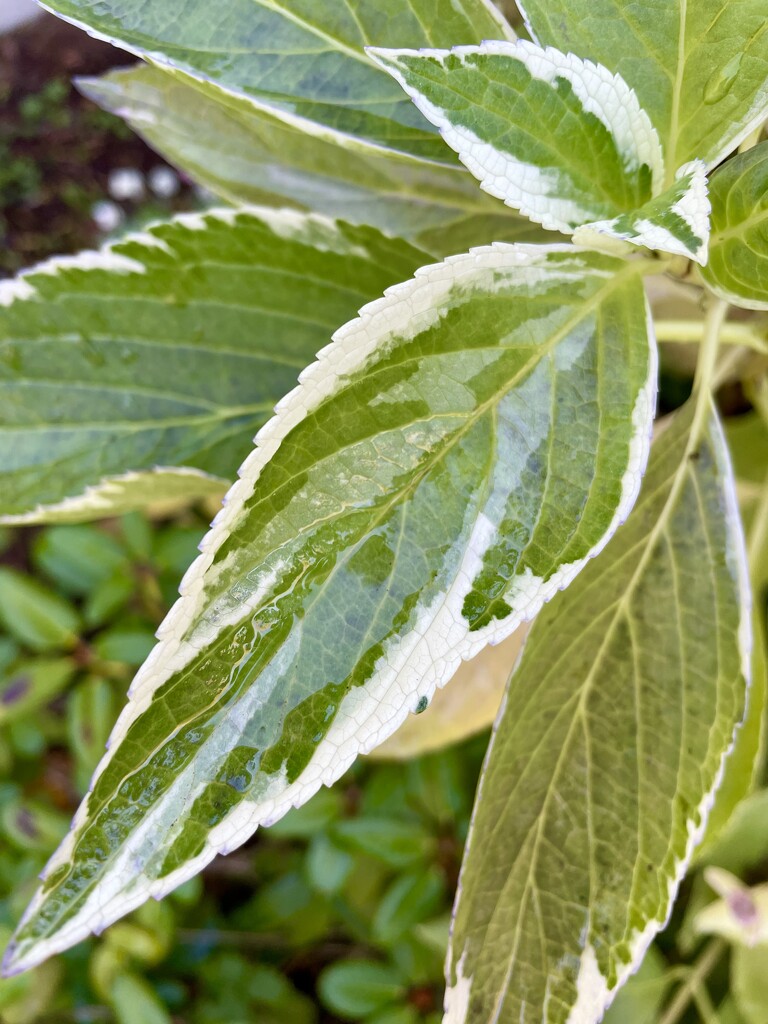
pixel 699 67
pixel 608 751
pixel 738 262
pixel 302 61
pixel 168 349
pixel 260 159
pixel 563 141
pixel 451 461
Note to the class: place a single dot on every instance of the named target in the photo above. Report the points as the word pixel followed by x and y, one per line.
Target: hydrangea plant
pixel 481 220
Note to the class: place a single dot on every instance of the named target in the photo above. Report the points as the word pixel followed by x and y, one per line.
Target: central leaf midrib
pixel 620 609
pixel 540 352
pixel 411 485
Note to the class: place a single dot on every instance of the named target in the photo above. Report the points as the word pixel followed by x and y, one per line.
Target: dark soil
pixel 56 147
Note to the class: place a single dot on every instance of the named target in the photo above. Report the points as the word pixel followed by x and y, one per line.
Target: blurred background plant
pixel 339 912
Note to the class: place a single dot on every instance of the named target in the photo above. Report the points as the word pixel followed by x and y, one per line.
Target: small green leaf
pixel 354 989
pixel 78 558
pixel 453 460
pixel 397 843
pixel 311 818
pixel 603 767
pixel 32 826
pixel 91 713
pixel 107 598
pixel 410 899
pixel 133 999
pixel 327 865
pixel 141 372
pixel 563 141
pixel 32 684
pixel 699 69
pixel 301 62
pixel 35 615
pixel 261 159
pixel 124 643
pixel 738 259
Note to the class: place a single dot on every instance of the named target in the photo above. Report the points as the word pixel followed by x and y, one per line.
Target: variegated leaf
pixel 141 372
pixel 469 705
pixel 560 139
pixel 738 263
pixel 699 67
pixel 260 159
pixel 302 61
pixel 677 221
pixel 452 460
pixel 608 751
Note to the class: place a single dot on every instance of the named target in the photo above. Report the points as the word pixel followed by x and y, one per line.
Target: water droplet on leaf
pixel 721 80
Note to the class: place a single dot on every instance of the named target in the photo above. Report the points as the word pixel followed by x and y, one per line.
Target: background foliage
pixel 340 911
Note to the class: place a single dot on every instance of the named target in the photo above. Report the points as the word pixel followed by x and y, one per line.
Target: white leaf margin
pixel 297 121
pixel 593 995
pixel 430 655
pixel 694 209
pixel 523 186
pixel 114 495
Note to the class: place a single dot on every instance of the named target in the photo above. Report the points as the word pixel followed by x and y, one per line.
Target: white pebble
pixel 107 216
pixel 164 182
pixel 126 183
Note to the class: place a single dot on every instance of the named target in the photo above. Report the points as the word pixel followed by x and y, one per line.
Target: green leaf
pixel 356 988
pixel 452 460
pixel 749 983
pixel 738 259
pixel 410 899
pixel 32 684
pixel 78 558
pixel 563 141
pixel 327 866
pixel 302 61
pixel 133 999
pixel 130 644
pixel 91 713
pixel 603 767
pixel 260 159
pixel 741 845
pixel 34 615
pixel 399 844
pixel 168 349
pixel 700 69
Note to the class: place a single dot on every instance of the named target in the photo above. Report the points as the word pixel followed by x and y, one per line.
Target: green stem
pixel 758 534
pixel 705 367
pixel 688 331
pixel 700 971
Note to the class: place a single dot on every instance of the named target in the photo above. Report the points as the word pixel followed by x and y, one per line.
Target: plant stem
pixel 758 534
pixel 700 971
pixel 705 367
pixel 688 331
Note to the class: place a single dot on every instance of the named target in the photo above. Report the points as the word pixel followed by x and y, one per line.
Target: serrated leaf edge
pixel 593 996
pixel 343 742
pixel 636 139
pixel 296 121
